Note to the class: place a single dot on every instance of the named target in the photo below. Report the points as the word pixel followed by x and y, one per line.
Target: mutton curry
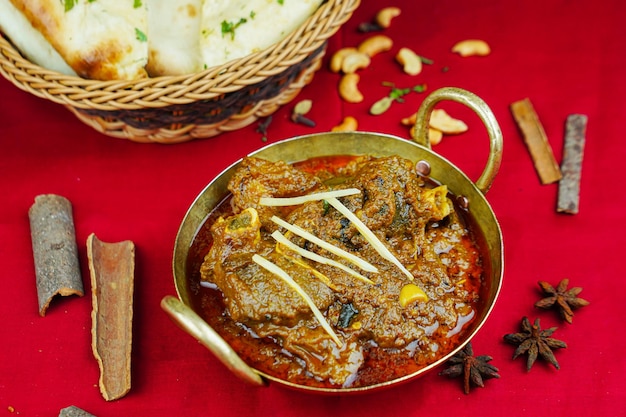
pixel 338 271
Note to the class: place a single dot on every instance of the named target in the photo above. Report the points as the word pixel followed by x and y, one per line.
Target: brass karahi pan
pixel 352 143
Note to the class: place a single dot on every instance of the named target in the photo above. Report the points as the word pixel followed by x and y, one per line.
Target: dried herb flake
pixel 229 27
pixel 395 95
pixel 140 36
pixel 69 5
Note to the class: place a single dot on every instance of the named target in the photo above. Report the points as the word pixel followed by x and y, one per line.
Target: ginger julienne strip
pixel 281 239
pixel 571 165
pixel 55 253
pixel 271 267
pixel 361 263
pixel 369 236
pixel 536 140
pixel 111 266
pixel 292 201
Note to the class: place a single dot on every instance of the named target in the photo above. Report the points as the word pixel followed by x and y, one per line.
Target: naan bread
pixel 131 39
pixel 191 35
pixel 174 37
pixel 101 39
pixel 29 40
pixel 255 24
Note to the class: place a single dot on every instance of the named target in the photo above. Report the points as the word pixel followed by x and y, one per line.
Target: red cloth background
pixel 566 56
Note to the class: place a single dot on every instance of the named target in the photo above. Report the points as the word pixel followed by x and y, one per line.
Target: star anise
pixel 535 342
pixel 473 368
pixel 565 300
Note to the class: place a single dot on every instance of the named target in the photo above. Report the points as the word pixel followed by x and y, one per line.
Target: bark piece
pixel 55 253
pixel 571 165
pixel 111 266
pixel 73 411
pixel 536 141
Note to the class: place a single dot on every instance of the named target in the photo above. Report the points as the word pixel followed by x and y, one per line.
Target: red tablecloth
pixel 566 56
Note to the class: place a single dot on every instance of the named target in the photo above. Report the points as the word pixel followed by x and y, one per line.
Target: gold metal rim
pixel 326 144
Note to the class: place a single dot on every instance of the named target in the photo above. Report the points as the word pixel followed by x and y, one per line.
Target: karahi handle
pixel 194 325
pixel 482 110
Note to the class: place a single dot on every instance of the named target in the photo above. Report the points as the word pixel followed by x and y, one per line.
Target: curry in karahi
pixel 338 271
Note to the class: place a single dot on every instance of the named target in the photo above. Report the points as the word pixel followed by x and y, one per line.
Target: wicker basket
pixel 174 109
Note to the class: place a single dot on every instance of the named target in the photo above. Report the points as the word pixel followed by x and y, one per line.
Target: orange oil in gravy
pixel 265 355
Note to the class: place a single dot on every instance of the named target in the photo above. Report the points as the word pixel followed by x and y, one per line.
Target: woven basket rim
pixel 164 91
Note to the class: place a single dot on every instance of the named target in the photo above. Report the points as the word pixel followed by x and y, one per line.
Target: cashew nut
pixel 434 136
pixel 336 60
pixel 355 61
pixel 375 45
pixel 470 47
pixel 409 120
pixel 410 61
pixel 349 124
pixel 384 16
pixel 349 88
pixel 442 121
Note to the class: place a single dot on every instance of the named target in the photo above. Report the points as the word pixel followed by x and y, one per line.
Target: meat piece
pixel 383 182
pixel 251 293
pixel 258 178
pixel 415 220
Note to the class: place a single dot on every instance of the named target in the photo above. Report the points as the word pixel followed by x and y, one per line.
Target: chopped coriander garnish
pixel 398 93
pixel 281 2
pixel 69 4
pixel 426 61
pixel 140 36
pixel 229 27
pixel 137 4
pixel 395 94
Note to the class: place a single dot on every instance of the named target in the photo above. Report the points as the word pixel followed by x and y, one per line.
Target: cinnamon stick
pixel 73 411
pixel 536 141
pixel 55 253
pixel 571 165
pixel 111 266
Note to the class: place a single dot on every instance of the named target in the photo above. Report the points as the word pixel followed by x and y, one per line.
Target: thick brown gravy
pixel 379 364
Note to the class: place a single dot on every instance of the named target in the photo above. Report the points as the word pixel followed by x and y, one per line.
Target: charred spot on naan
pixel 103 62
